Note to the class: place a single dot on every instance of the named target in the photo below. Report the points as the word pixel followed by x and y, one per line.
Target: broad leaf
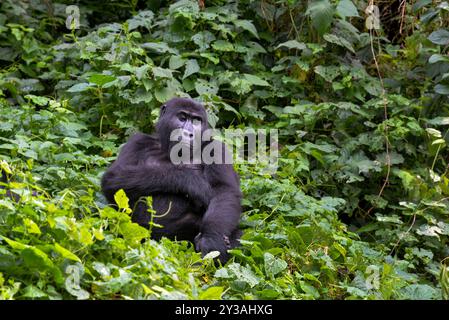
pixel 248 26
pixel 212 293
pixel 273 265
pixel 321 13
pixel 79 87
pixel 440 37
pixel 255 80
pixel 346 8
pixel 292 44
pixel 192 67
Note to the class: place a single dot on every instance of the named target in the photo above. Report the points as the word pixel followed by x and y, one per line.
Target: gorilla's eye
pixel 182 117
pixel 197 119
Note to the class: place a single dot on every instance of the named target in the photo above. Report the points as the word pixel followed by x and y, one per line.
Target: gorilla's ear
pixel 163 109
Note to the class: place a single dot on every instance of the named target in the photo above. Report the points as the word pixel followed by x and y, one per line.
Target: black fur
pixel 204 198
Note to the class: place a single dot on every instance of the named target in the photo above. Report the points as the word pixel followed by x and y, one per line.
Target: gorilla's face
pixel 189 126
pixel 182 122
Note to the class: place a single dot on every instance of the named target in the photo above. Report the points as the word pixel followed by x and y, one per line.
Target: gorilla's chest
pixel 177 216
pixel 169 204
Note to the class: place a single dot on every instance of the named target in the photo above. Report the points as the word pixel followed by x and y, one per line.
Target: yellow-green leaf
pixel 122 200
pixel 14 244
pixel 31 226
pixel 66 253
pixel 212 293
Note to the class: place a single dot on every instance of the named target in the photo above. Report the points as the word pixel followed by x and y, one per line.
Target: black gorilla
pixel 202 200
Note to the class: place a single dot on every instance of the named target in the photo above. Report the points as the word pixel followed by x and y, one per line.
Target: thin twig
pixel 402 7
pixel 403 235
pixel 385 102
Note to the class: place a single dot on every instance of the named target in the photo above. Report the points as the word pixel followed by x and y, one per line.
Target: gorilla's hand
pixel 213 242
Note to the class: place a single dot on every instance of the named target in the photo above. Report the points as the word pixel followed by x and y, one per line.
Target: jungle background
pixel 358 208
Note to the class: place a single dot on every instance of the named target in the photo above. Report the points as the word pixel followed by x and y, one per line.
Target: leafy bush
pixel 357 209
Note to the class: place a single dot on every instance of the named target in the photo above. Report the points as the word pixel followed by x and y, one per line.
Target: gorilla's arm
pixel 140 172
pixel 222 216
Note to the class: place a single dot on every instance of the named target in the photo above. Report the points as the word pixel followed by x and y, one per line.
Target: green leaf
pixel 222 273
pixel 346 8
pixel 269 294
pixel 407 178
pixel 438 58
pixel 141 71
pixel 192 67
pixel 6 126
pixel 389 219
pixel 211 255
pixel 248 26
pixel 211 57
pixel 422 253
pixel 340 249
pixel 33 292
pixel 29 85
pixel 101 79
pixel 442 89
pixel 222 45
pixel 332 38
pixel 162 73
pixel 420 4
pixel 36 258
pixel 439 121
pixel 166 93
pixel 255 80
pixel 121 199
pixel 211 293
pixel 185 6
pixel 133 233
pixel 14 244
pixel 84 236
pixel 394 158
pixel 31 226
pixel 309 289
pixel 329 73
pixel 430 231
pixel 212 119
pixel 203 39
pixel 159 47
pixel 205 87
pixel 79 87
pixel 40 101
pixel 292 44
pixel 244 274
pixel 142 19
pixel 66 253
pixel 273 265
pixel 321 12
pixel 176 62
pixel 438 141
pixel 434 132
pixel 418 292
pixel 440 37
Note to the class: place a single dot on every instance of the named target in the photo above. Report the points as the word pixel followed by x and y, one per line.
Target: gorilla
pixel 194 201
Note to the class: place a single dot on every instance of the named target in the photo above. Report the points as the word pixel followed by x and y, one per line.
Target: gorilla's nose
pixel 188 135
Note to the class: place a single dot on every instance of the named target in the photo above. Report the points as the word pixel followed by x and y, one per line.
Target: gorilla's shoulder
pixel 144 139
pixel 142 142
pixel 139 136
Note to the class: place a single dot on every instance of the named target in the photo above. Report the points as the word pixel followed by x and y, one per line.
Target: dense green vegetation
pixel 358 208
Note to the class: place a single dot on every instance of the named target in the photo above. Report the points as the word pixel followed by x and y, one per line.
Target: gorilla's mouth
pixel 186 143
